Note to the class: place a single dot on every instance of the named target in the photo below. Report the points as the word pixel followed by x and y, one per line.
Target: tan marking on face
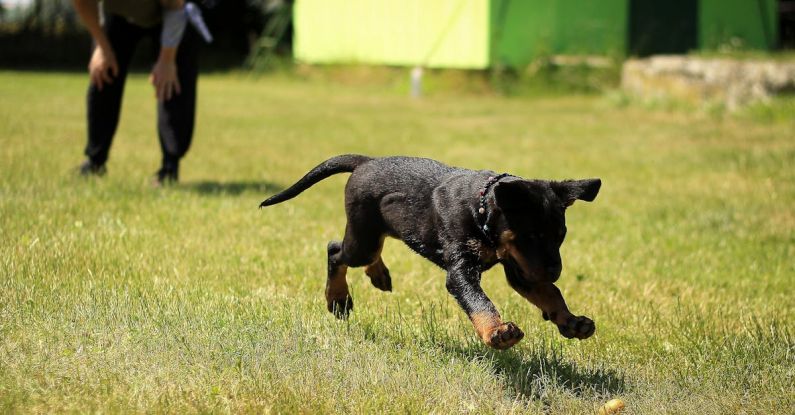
pixel 485 323
pixel 337 285
pixel 503 247
pixel 507 248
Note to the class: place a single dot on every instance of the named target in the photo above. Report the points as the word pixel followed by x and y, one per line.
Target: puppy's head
pixel 534 222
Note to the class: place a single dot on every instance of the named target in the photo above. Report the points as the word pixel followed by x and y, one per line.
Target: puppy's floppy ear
pixel 516 195
pixel 570 190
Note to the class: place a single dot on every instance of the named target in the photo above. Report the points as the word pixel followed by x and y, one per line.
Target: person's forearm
pixel 174 22
pixel 172 4
pixel 164 76
pixel 168 54
pixel 88 10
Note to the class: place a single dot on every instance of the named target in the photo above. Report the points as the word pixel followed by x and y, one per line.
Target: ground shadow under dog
pixel 216 188
pixel 529 373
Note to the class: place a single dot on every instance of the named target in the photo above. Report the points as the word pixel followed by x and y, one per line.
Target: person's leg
pixel 175 117
pixel 104 106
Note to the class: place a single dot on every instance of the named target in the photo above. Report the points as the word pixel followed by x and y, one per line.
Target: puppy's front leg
pixel 549 299
pixel 463 282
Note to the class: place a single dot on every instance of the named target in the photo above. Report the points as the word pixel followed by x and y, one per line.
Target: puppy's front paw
pixel 580 327
pixel 504 336
pixel 340 307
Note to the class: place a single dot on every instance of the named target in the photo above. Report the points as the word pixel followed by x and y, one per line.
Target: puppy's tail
pixel 345 163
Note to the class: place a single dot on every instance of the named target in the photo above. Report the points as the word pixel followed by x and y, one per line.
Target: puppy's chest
pixel 487 255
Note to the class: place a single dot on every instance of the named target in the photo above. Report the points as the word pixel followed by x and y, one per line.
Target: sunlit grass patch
pixel 117 297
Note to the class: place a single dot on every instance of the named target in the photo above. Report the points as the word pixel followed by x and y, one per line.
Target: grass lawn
pixel 118 297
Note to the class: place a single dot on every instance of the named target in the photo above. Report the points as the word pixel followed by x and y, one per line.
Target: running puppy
pixel 462 220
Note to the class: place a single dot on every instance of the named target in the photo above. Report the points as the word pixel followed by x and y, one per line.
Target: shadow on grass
pixel 215 188
pixel 531 370
pixel 531 373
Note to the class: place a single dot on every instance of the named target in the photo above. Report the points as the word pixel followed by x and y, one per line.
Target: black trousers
pixel 175 117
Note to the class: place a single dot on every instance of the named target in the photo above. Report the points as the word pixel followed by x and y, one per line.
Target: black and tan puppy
pixel 462 220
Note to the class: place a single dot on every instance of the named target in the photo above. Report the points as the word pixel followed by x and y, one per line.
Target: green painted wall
pixel 524 29
pixel 662 27
pixel 592 26
pixel 477 34
pixel 437 33
pixel 753 22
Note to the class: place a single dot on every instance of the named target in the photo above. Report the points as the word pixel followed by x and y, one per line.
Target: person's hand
pixel 164 79
pixel 102 67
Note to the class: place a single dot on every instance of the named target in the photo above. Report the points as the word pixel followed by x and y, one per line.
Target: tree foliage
pixel 51 16
pixel 49 33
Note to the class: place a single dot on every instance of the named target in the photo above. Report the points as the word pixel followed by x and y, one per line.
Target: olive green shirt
pixel 144 13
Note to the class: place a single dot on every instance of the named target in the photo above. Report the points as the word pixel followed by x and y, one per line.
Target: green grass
pixel 117 297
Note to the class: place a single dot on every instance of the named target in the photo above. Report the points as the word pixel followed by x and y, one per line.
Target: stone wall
pixel 696 79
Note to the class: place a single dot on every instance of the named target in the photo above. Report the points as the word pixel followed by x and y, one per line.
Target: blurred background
pixel 47 34
pixel 503 37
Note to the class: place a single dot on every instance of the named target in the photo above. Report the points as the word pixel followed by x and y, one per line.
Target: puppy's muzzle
pixel 537 274
pixel 553 273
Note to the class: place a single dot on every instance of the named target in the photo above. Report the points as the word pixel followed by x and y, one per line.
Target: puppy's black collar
pixel 483 211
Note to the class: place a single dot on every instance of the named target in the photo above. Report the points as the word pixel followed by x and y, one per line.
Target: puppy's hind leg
pixel 378 272
pixel 360 247
pixel 338 299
